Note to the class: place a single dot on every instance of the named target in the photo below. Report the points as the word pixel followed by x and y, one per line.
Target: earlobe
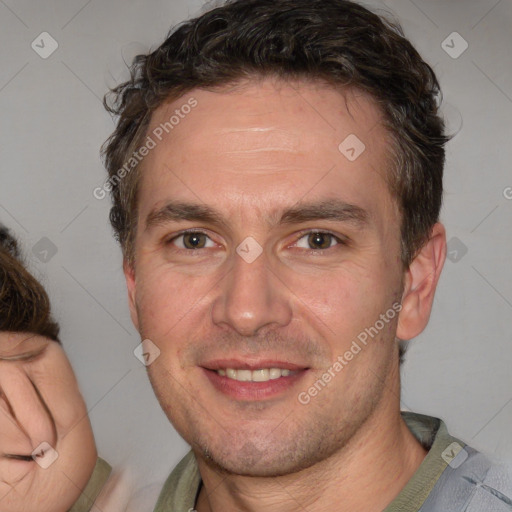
pixel 420 284
pixel 129 275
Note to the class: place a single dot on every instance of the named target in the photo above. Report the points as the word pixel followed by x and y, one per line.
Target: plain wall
pixel 52 126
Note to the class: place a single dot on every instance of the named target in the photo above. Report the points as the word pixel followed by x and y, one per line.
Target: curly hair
pixel 24 303
pixel 337 42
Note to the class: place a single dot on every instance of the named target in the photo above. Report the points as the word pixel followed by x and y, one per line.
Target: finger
pixel 54 377
pixel 13 440
pixel 28 410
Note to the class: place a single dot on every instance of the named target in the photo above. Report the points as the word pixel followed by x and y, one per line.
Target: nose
pixel 250 297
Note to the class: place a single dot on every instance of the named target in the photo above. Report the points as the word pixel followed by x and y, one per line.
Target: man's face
pixel 264 163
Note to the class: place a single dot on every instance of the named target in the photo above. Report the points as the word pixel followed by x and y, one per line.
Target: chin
pixel 250 461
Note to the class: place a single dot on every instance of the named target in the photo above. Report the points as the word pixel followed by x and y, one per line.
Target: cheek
pixel 166 301
pixel 344 300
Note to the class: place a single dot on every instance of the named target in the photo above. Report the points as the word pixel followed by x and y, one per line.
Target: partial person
pixel 48 456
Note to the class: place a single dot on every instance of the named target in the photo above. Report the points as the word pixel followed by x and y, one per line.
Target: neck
pixel 365 475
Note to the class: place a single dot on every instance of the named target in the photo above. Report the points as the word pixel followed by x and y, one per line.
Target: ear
pixel 420 285
pixel 129 275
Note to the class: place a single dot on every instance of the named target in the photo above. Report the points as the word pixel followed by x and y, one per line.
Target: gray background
pixel 52 125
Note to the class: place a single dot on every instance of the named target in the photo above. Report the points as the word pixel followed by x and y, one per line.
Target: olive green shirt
pixel 181 489
pixel 91 491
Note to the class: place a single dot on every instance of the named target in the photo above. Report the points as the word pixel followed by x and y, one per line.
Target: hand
pixel 40 403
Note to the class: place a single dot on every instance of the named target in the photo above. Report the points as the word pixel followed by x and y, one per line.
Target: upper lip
pixel 239 364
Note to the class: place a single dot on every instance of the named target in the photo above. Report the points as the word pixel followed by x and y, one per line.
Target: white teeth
pixel 260 375
pixel 275 373
pixel 244 375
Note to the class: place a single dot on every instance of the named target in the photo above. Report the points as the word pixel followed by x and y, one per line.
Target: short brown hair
pixel 24 303
pixel 334 41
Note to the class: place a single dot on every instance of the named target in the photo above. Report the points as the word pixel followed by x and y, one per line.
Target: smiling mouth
pixel 258 375
pixel 253 380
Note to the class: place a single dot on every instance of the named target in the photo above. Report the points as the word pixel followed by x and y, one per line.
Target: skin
pixel 40 402
pixel 251 152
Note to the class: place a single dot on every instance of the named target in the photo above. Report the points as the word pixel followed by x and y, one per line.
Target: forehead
pixel 266 144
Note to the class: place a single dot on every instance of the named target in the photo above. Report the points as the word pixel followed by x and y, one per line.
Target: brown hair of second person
pixel 24 303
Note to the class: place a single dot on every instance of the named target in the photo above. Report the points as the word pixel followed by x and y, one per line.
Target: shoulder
pixel 453 476
pixel 181 487
pixel 470 482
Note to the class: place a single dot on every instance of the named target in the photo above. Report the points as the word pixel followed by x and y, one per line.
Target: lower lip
pixel 248 390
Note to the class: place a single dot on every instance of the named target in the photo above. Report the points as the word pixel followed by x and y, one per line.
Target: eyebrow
pixel 176 211
pixel 331 209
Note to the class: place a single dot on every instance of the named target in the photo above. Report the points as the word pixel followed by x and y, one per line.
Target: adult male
pixel 276 174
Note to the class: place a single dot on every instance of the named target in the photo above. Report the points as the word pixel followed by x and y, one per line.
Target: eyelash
pixel 33 357
pixel 25 358
pixel 339 240
pixel 302 234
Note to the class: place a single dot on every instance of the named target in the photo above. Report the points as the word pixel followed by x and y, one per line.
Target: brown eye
pixel 320 240
pixel 192 240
